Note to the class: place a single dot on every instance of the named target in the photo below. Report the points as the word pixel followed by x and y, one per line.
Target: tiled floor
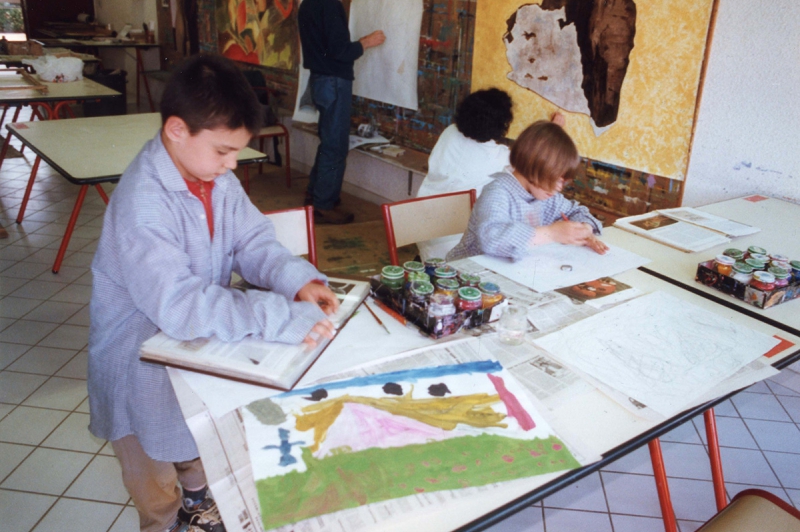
pixel 55 476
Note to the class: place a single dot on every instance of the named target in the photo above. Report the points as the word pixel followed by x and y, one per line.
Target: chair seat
pixel 755 511
pixel 271 131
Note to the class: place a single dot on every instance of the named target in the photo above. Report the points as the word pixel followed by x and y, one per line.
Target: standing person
pixel 177 225
pixel 329 54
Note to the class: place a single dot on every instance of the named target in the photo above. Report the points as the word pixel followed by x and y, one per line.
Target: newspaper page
pixel 254 360
pixel 558 314
pixel 710 221
pixel 667 230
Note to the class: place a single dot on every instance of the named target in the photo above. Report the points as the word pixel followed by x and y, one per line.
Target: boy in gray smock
pixel 177 226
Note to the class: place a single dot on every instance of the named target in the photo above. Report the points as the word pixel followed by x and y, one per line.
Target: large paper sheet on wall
pixel 388 73
pixel 657 46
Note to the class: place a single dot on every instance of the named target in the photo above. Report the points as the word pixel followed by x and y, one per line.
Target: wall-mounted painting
pixel 626 73
pixel 261 32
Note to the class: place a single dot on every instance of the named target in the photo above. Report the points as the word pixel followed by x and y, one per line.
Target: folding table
pixel 89 152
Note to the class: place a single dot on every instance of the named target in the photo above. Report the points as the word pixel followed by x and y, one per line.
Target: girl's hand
pixel 596 245
pixel 567 232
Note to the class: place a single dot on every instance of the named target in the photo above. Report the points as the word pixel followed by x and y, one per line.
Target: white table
pixel 89 152
pixel 779 222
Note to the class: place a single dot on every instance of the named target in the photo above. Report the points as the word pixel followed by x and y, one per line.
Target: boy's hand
pixel 323 329
pixel 596 245
pixel 376 38
pixel 321 295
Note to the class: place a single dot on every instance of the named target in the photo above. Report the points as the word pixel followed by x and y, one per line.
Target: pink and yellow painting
pixel 261 32
pixel 361 441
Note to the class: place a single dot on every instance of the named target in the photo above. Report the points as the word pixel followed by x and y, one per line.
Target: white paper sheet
pixel 388 73
pixel 658 349
pixel 542 269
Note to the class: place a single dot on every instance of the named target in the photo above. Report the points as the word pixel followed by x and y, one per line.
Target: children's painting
pixel 349 443
pixel 261 32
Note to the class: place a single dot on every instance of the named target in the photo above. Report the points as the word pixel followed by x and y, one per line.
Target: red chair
pixel 294 229
pixel 420 219
pixel 755 510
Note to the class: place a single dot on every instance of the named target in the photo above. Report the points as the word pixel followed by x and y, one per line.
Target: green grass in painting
pixel 346 480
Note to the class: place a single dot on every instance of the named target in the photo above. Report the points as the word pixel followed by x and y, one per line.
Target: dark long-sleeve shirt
pixel 325 39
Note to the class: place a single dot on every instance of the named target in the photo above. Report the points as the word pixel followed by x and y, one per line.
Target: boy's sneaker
pixel 203 517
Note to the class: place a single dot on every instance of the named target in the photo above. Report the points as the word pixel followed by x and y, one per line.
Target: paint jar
pixel 777 257
pixel 413 266
pixel 723 264
pixel 760 256
pixel 446 286
pixel 795 264
pixel 469 279
pixel 781 264
pixel 445 272
pixel 469 298
pixel 431 265
pixel 490 294
pixel 755 264
pixel 737 254
pixel 764 281
pixel 513 325
pixel 742 272
pixel 393 277
pixel 441 305
pixel 418 276
pixel 782 276
pixel 757 250
pixel 420 292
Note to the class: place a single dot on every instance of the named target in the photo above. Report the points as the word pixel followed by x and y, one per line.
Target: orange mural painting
pixel 261 32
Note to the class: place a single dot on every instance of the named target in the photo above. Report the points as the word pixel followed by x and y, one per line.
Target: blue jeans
pixel 333 98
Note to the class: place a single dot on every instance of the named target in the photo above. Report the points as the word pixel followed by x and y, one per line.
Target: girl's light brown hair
pixel 543 153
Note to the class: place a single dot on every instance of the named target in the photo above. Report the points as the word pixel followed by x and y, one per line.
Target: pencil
pixel 385 328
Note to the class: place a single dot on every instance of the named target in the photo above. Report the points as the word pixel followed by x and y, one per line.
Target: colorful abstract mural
pixel 261 32
pixel 370 439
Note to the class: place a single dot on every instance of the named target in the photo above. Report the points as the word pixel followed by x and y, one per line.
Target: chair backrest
pixel 294 229
pixel 420 219
pixel 755 510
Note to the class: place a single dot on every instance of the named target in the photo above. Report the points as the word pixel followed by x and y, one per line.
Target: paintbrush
pixel 377 318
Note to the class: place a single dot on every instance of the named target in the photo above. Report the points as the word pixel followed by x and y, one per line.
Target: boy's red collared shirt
pixel 202 190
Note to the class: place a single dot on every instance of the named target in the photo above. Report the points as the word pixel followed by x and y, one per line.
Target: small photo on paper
pixel 655 222
pixel 593 290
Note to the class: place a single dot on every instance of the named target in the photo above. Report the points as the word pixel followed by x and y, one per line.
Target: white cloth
pixel 458 163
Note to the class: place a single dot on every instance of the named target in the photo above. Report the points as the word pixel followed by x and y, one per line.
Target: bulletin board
pixel 652 130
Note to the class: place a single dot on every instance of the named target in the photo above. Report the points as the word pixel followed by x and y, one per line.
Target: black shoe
pixel 309 200
pixel 333 216
pixel 203 517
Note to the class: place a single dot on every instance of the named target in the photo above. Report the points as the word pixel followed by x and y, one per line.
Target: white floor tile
pixel 780 390
pixel 11 455
pixel 15 387
pixel 5 409
pixel 759 387
pixel 570 520
pixel 733 489
pixel 79 515
pixel 73 435
pixel 760 406
pixel 9 353
pixel 128 521
pixel 27 332
pixel 76 368
pixel 686 433
pixel 692 499
pixel 747 466
pixel 59 393
pixel 74 293
pixel 42 360
pixel 81 317
pixel 84 406
pixel 637 461
pixel 16 307
pixel 794 496
pixel 631 494
pixel 731 432
pixel 725 408
pixel 792 406
pixel 632 523
pixel 19 512
pixel 683 460
pixel 36 289
pixel 29 425
pixel 53 311
pixel 787 467
pixel 100 481
pixel 775 436
pixel 67 337
pixel 65 275
pixel 586 494
pixel 47 471
pixel 787 379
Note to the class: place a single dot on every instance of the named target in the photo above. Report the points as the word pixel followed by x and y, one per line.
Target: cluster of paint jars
pixel 761 270
pixel 440 287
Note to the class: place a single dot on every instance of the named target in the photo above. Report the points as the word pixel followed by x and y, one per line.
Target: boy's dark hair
pixel 543 153
pixel 209 92
pixel 485 115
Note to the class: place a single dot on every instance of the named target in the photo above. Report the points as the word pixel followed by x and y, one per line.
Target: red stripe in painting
pixel 513 407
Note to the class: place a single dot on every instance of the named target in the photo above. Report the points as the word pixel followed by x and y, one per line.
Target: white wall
pixel 118 13
pixel 748 130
